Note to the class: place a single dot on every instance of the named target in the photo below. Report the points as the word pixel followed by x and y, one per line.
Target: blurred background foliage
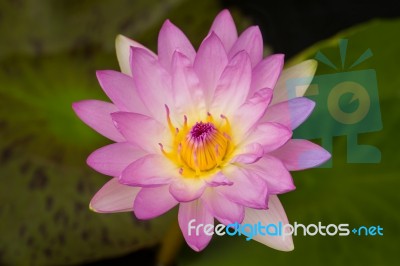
pixel 49 51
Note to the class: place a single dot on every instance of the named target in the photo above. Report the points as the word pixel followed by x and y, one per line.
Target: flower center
pixel 201 148
pixel 204 147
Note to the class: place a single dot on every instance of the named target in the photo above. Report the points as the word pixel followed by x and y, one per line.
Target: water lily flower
pixel 208 130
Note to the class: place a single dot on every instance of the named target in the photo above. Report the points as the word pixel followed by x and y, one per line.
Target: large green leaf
pixel 357 194
pixel 48 56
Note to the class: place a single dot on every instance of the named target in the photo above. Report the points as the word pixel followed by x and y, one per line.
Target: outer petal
pixel 247 189
pixel 198 212
pixel 299 154
pixel 187 189
pixel 96 114
pixel 114 197
pixel 267 72
pixel 226 211
pixel 152 202
pixel 250 41
pixel 140 130
pixel 290 113
pixel 304 70
pixel 187 93
pixel 274 173
pixel 114 158
pixel 247 116
pixel 170 39
pixel 270 135
pixel 121 89
pixel 233 85
pixel 150 170
pixel 152 81
pixel 225 28
pixel 273 215
pixel 123 47
pixel 210 62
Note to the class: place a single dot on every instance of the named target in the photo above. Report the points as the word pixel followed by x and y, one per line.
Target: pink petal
pixel 233 85
pixel 123 46
pixel 170 39
pixel 218 179
pixel 225 28
pixel 187 189
pixel 153 202
pixel 197 211
pixel 250 41
pixel 248 189
pixel 249 154
pixel 226 211
pixel 247 116
pixel 114 197
pixel 114 158
pixel 267 72
pixel 152 81
pixel 273 215
pixel 273 171
pixel 150 170
pixel 140 130
pixel 188 95
pixel 290 113
pixel 270 135
pixel 121 89
pixel 96 114
pixel 210 62
pixel 299 154
pixel 304 71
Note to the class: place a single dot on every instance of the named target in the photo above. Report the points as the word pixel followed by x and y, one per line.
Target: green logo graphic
pixel 347 104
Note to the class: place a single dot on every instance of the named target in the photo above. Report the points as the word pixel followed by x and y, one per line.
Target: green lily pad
pixel 356 194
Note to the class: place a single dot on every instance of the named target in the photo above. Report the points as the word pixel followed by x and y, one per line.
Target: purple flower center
pixel 202 131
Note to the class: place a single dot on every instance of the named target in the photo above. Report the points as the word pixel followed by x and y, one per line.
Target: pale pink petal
pixel 247 115
pixel 233 86
pixel 273 171
pixel 249 154
pixel 290 113
pixel 226 211
pixel 114 197
pixel 187 93
pixel 153 202
pixel 248 189
pixel 218 179
pixel 190 215
pixel 153 83
pixel 304 72
pixel 210 62
pixel 187 189
pixel 122 91
pixel 123 47
pixel 250 41
pixel 299 154
pixel 140 130
pixel 270 135
pixel 273 215
pixel 267 72
pixel 114 158
pixel 225 28
pixel 97 115
pixel 170 39
pixel 150 170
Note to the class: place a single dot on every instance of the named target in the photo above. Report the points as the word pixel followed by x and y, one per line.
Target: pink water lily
pixel 209 131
